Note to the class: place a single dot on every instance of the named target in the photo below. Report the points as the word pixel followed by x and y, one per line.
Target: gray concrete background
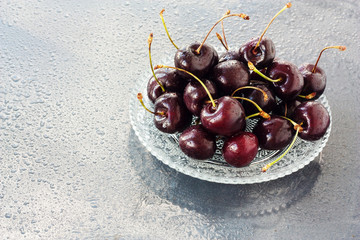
pixel 71 166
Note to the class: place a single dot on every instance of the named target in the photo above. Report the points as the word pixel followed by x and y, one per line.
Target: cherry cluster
pixel 222 92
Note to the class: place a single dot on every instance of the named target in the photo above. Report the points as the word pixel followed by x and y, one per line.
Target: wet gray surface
pixel 72 168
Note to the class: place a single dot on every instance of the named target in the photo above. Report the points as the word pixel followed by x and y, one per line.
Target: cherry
pixel 274 133
pixel 175 116
pixel 226 118
pixel 199 64
pixel 267 104
pixel 170 80
pixel 230 75
pixel 195 95
pixel 314 119
pixel 298 129
pixel 189 59
pixel 170 113
pixel 199 58
pixel 260 51
pixel 289 81
pixel 262 56
pixel 240 149
pixel 197 143
pixel 314 76
pixel 313 82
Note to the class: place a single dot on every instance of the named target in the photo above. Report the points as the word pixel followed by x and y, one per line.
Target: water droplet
pixel 15 145
pixel 15 78
pixel 100 132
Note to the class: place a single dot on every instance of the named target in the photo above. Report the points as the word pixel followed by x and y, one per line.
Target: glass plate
pixel 165 147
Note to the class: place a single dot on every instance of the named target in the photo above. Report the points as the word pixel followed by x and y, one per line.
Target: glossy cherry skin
pixel 274 133
pixel 198 64
pixel 230 55
pixel 313 82
pixel 258 97
pixel 230 75
pixel 292 81
pixel 227 119
pixel 195 95
pixel 171 81
pixel 240 149
pixel 171 114
pixel 197 143
pixel 286 108
pixel 262 56
pixel 314 119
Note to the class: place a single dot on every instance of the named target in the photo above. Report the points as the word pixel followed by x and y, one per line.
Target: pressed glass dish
pixel 165 147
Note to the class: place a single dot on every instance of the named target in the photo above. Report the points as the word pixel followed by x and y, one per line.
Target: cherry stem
pixel 167 32
pixel 223 31
pixel 221 40
pixel 150 38
pixel 140 98
pixel 202 84
pixel 296 125
pixel 264 169
pixel 288 5
pixel 261 112
pixel 266 97
pixel 252 115
pixel 241 15
pixel 309 96
pixel 341 48
pixel 253 68
pixel 286 109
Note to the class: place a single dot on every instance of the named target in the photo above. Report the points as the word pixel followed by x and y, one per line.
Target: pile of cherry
pixel 223 92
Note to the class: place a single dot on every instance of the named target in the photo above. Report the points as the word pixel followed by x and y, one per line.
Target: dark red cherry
pixel 240 149
pixel 313 81
pixel 262 56
pixel 291 83
pixel 195 95
pixel 286 108
pixel 266 105
pixel 197 143
pixel 274 133
pixel 260 51
pixel 198 64
pixel 226 119
pixel 171 114
pixel 313 118
pixel 230 75
pixel 171 81
pixel 314 77
pixel 230 55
